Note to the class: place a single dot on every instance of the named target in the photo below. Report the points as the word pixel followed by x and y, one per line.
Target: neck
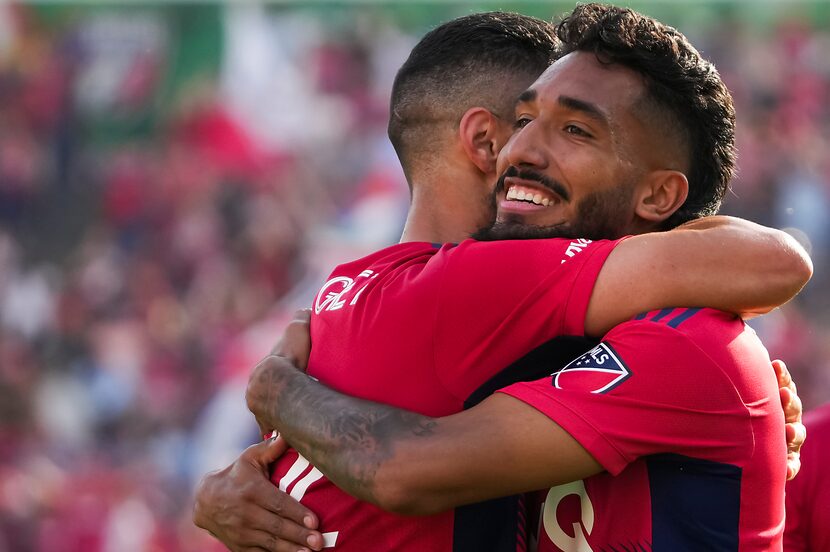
pixel 640 226
pixel 446 211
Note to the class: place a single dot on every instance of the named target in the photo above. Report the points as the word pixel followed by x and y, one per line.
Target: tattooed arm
pixel 409 463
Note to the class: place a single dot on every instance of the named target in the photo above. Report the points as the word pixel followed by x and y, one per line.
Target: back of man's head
pixel 684 94
pixel 480 60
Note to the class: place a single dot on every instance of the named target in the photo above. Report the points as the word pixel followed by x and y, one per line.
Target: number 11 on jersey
pixel 300 477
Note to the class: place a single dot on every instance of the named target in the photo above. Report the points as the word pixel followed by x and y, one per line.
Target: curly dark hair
pixel 474 60
pixel 678 80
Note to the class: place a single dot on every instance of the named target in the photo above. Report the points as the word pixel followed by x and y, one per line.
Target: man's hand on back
pixel 245 511
pixel 791 402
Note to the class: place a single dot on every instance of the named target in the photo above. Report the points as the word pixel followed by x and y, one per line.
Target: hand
pixel 295 342
pixel 790 401
pixel 242 508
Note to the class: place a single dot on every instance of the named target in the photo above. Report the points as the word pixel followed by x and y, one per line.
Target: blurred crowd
pixel 159 226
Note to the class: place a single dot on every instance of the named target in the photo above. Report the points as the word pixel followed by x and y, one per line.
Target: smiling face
pixel 581 149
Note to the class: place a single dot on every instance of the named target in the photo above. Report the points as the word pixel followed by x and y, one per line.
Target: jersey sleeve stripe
pixel 679 319
pixel 662 314
pixel 521 538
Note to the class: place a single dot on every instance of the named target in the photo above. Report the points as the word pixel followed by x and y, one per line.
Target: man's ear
pixel 661 194
pixel 482 135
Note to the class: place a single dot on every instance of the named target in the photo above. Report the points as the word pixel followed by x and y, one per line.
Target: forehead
pixel 580 75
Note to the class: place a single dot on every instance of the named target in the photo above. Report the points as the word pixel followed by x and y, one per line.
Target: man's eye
pixel 577 131
pixel 522 122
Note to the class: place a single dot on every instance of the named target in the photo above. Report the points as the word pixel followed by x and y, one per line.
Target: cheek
pixel 588 170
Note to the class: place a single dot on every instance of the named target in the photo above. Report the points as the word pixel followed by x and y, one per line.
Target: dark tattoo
pixel 344 437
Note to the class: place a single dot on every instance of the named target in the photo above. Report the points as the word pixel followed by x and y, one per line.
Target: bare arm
pixel 382 455
pixel 413 464
pixel 720 262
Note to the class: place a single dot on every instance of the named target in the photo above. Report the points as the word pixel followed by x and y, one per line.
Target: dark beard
pixel 603 215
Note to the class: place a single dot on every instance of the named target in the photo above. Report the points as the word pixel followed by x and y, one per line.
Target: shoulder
pixel 690 340
pixel 518 254
pixel 389 255
pixel 385 270
pixel 403 251
pixel 707 328
pixel 699 347
pixel 571 247
pixel 687 319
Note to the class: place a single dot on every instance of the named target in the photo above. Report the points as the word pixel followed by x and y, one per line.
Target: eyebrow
pixel 589 109
pixel 568 102
pixel 527 96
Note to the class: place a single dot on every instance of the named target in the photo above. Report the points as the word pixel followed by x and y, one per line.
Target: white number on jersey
pixel 301 485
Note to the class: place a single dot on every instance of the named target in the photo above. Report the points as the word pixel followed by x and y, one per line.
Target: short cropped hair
pixel 467 62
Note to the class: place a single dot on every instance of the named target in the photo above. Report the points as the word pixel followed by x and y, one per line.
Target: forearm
pixel 719 262
pixel 409 463
pixel 756 268
pixel 347 439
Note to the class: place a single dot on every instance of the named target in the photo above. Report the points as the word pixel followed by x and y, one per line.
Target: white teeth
pixel 521 195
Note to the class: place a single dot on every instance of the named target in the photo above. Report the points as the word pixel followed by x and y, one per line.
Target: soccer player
pixel 808 496
pixel 665 436
pixel 443 134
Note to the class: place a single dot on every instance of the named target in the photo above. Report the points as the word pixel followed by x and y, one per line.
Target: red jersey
pixel 680 406
pixel 425 328
pixel 808 495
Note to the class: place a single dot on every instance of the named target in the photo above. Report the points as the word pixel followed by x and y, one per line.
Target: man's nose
pixel 526 148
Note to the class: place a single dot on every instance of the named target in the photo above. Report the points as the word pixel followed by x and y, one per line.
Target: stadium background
pixel 176 179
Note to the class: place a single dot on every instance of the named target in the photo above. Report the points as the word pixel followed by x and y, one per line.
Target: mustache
pixel 534 176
